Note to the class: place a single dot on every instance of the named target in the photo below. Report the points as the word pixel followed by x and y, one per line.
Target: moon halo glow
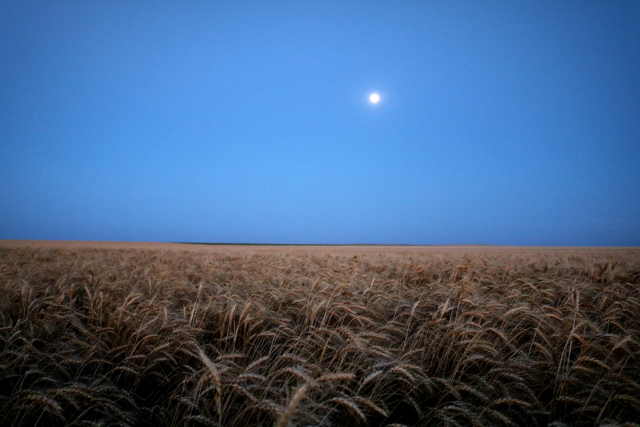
pixel 374 98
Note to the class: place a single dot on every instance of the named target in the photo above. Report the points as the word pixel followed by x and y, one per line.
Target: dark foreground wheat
pixel 162 338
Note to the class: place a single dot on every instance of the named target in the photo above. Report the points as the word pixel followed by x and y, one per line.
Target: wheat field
pixel 192 335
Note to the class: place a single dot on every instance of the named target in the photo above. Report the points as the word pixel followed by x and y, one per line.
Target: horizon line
pixel 322 244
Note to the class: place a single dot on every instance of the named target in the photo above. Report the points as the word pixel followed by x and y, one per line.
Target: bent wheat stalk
pixel 291 407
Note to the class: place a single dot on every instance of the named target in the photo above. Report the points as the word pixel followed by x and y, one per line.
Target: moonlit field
pixel 320 213
pixel 173 335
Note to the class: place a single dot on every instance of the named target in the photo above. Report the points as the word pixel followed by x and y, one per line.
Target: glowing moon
pixel 374 98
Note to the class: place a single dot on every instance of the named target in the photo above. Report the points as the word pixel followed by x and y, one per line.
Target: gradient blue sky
pixel 499 122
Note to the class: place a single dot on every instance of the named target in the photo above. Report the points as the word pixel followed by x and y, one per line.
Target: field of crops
pixel 319 336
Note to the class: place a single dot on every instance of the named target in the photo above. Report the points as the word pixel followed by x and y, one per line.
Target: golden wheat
pixel 319 336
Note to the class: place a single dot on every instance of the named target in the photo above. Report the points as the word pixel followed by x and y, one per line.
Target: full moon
pixel 374 98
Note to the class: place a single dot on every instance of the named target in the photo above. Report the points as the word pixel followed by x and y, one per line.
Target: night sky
pixel 514 123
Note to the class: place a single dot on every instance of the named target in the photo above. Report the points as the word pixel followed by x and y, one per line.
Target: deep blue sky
pixel 499 122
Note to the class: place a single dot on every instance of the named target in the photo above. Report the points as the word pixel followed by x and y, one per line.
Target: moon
pixel 374 98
